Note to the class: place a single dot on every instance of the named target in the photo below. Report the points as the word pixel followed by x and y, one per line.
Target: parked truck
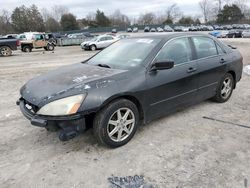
pixel 38 41
pixel 7 45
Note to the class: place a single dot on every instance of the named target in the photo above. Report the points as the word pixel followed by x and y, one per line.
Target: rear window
pixel 205 47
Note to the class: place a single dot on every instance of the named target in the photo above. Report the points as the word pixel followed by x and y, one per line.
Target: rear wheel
pixel 5 51
pixel 225 89
pixel 117 123
pixel 26 49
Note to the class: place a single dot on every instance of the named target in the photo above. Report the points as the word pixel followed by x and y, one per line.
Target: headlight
pixel 65 106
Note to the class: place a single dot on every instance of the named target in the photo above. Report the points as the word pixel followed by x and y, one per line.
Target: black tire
pixel 92 47
pixel 45 48
pixel 5 51
pixel 27 48
pixel 219 97
pixel 50 47
pixel 101 126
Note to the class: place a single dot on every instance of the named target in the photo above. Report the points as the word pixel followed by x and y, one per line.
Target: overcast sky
pixel 132 8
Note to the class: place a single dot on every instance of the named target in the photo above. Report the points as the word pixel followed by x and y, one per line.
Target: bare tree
pixel 58 11
pixel 5 22
pixel 119 19
pixel 147 18
pixel 205 6
pixel 46 14
pixel 173 12
pixel 242 4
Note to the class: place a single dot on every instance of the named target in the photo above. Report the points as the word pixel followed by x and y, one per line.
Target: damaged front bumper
pixel 68 126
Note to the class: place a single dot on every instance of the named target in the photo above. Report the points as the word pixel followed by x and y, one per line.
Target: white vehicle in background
pixel 99 42
pixel 246 34
pixel 27 36
pixel 135 29
pixel 159 29
pixel 185 29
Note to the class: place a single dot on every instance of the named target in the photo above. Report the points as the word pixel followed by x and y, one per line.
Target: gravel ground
pixel 180 150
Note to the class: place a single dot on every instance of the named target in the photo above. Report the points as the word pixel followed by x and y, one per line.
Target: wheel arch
pixel 129 97
pixel 23 45
pixel 5 46
pixel 234 76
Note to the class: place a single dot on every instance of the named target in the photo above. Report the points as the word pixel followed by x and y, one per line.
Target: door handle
pixel 191 69
pixel 222 61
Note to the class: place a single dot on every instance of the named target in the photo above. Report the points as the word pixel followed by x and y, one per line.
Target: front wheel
pixel 5 51
pixel 116 124
pixel 50 47
pixel 225 89
pixel 92 47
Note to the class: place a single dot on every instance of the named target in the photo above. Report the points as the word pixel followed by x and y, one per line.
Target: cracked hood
pixel 65 81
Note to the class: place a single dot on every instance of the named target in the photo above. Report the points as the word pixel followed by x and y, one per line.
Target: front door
pixel 173 88
pixel 39 41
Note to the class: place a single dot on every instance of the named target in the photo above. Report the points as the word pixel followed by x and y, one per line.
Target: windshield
pixel 125 54
pixel 93 39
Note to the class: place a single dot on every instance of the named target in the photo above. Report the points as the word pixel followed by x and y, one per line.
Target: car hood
pixel 65 81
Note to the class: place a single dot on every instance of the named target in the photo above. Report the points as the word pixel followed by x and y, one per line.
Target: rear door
pixel 109 41
pixel 102 42
pixel 173 88
pixel 211 61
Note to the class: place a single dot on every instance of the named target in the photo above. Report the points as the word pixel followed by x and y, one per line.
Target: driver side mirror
pixel 162 65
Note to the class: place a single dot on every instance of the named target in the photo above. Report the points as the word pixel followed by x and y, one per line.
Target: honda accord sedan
pixel 132 82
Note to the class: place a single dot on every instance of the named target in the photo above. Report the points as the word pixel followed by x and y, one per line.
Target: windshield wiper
pixel 104 65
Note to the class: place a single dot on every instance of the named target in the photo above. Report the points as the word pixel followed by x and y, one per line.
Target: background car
pixel 76 36
pixel 159 29
pixel 135 29
pixel 122 36
pixel 167 28
pixel 114 31
pixel 219 34
pixel 193 28
pixel 246 34
pixel 152 29
pixel 178 28
pixel 146 29
pixel 227 27
pixel 129 30
pixel 99 42
pixel 217 27
pixel 234 34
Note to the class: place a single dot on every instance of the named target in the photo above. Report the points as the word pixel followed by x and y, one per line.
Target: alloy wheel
pixel 121 124
pixel 226 88
pixel 5 51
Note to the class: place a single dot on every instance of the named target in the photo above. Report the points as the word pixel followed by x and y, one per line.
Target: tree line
pixel 59 18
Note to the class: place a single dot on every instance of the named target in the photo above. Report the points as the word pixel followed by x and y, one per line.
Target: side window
pixel 177 50
pixel 109 38
pixel 205 47
pixel 103 39
pixel 220 51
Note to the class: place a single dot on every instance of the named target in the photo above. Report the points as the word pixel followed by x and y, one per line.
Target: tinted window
pixel 177 50
pixel 103 38
pixel 205 47
pixel 109 38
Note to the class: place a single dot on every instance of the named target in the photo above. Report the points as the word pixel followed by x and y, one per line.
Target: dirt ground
pixel 180 150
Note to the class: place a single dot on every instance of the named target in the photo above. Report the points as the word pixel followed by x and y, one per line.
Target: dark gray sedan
pixel 133 81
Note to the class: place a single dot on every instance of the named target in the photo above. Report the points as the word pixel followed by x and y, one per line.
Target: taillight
pixel 18 42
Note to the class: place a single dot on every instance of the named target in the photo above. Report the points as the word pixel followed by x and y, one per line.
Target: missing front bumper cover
pixel 68 125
